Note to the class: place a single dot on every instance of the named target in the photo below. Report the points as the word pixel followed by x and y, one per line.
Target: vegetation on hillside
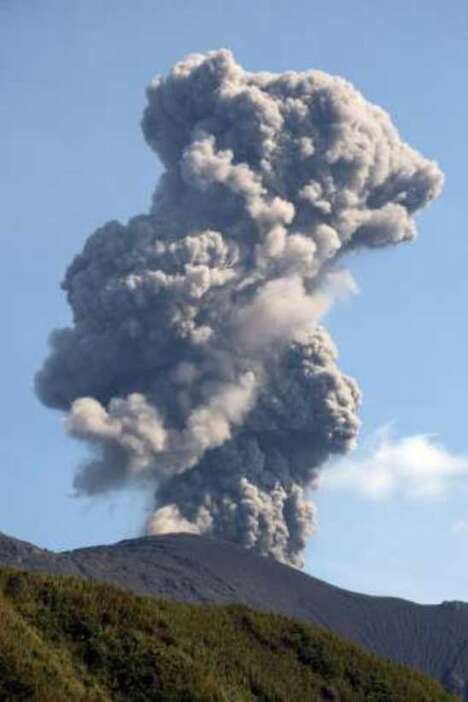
pixel 64 639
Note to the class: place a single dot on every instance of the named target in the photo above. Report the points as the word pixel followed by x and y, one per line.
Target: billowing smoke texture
pixel 195 364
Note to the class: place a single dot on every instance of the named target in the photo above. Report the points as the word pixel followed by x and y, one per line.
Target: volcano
pixel 190 568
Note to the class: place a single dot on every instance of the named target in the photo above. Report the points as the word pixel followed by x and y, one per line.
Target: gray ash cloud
pixel 196 364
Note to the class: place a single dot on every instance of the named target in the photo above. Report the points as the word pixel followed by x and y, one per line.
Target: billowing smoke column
pixel 195 364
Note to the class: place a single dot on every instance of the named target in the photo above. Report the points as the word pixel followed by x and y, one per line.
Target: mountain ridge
pixel 190 568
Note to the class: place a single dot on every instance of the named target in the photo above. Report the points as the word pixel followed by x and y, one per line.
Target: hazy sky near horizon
pixel 393 515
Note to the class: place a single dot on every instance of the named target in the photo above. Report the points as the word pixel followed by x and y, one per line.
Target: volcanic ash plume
pixel 196 364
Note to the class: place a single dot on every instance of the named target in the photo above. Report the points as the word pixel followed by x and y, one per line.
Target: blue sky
pixel 72 76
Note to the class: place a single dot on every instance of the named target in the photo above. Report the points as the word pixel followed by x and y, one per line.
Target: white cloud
pixel 460 527
pixel 414 467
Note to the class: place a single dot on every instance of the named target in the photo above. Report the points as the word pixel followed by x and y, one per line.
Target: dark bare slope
pixel 433 639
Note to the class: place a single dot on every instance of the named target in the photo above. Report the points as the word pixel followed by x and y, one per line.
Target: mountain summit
pixel 189 568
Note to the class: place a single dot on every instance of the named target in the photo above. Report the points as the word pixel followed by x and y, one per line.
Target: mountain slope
pixel 433 639
pixel 66 639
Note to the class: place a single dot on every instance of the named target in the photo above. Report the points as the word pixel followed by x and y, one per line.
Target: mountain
pixel 67 639
pixel 188 568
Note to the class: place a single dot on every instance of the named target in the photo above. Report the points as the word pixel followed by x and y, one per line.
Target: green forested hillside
pixel 67 639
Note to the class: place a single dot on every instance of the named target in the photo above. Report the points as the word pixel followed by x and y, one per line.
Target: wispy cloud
pixel 414 467
pixel 460 527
